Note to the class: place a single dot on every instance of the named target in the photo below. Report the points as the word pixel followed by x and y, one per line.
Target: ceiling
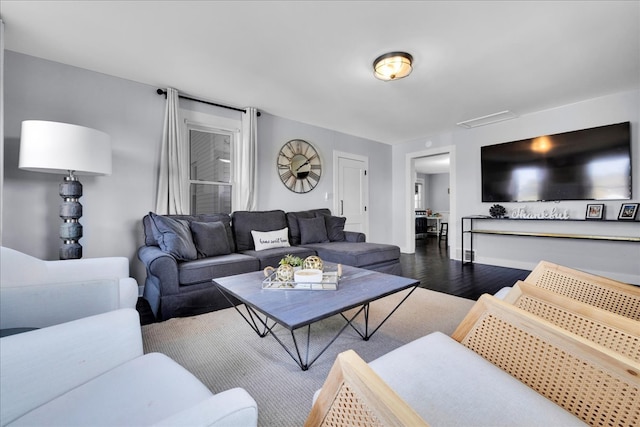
pixel 311 61
pixel 438 163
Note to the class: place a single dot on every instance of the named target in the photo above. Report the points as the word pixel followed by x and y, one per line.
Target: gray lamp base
pixel 70 212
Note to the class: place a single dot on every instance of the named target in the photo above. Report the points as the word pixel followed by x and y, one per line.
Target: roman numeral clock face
pixel 299 166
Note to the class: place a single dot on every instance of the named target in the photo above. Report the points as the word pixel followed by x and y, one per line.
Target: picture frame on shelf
pixel 595 211
pixel 628 211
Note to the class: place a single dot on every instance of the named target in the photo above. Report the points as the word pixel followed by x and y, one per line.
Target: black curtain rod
pixel 164 92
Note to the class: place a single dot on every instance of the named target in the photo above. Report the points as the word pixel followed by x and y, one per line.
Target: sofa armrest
pixel 48 304
pixel 38 366
pixel 161 265
pixel 354 237
pixel 234 407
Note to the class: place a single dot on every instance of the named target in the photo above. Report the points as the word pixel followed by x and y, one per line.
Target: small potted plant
pixel 293 261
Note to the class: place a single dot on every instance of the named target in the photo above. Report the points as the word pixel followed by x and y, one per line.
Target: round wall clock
pixel 299 166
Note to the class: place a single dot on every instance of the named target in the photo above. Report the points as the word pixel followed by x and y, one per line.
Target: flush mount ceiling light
pixel 392 66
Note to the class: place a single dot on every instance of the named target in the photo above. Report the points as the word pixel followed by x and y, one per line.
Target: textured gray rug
pixel 224 352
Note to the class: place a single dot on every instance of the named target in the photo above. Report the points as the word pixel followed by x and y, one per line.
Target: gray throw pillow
pixel 335 228
pixel 312 230
pixel 174 237
pixel 210 238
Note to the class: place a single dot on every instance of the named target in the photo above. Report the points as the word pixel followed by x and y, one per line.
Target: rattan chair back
pixel 597 385
pixel 607 294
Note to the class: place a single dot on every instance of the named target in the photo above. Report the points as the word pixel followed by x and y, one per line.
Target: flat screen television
pixel 587 164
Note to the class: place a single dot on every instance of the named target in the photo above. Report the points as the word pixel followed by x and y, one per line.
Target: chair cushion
pixel 272 257
pixel 174 237
pixel 130 394
pixel 148 225
pixel 312 230
pixel 449 384
pixel 210 238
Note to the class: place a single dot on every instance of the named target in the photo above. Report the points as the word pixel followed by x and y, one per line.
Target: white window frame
pixel 194 120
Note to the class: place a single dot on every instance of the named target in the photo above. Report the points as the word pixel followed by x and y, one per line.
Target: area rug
pixel 224 352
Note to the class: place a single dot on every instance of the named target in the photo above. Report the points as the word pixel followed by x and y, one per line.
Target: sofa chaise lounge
pixel 183 253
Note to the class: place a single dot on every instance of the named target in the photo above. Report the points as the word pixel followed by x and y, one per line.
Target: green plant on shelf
pixel 292 260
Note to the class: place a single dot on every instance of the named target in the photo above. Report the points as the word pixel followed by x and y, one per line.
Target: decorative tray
pixel 329 282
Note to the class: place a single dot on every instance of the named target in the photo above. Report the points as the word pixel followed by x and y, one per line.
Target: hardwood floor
pixel 432 266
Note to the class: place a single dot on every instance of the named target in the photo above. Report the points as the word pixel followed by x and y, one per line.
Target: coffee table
pixel 294 309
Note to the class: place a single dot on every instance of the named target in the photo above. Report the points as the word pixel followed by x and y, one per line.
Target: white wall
pixel 618 260
pixel 132 114
pixel 438 199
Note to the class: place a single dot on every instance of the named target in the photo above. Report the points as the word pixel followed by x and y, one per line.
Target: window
pixel 210 170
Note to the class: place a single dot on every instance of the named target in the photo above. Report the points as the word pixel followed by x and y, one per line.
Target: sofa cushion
pixel 312 230
pixel 210 238
pixel 360 255
pixel 271 257
pixel 174 237
pixel 448 384
pixel 243 222
pixel 270 239
pixel 335 228
pixel 292 222
pixel 205 269
pixel 149 236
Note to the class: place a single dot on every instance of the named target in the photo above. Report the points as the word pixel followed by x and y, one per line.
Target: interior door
pixel 352 193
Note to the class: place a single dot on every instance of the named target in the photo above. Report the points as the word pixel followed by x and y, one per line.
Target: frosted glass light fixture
pixel 63 148
pixel 392 66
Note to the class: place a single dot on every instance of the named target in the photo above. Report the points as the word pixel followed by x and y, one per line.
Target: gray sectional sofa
pixel 183 253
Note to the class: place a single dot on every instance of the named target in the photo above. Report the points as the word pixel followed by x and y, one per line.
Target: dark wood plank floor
pixel 433 268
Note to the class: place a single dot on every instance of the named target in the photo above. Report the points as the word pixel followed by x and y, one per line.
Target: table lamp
pixel 54 147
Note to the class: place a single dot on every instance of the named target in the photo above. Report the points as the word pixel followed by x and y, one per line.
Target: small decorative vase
pixel 312 262
pixel 285 273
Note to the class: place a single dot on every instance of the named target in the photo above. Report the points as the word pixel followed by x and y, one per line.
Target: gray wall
pixel 132 114
pixel 617 260
pixel 438 194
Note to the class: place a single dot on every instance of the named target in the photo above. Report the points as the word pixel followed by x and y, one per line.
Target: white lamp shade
pixel 60 147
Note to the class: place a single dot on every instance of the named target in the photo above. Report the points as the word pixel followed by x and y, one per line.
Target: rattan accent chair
pixel 607 329
pixel 597 385
pixel 353 395
pixel 607 294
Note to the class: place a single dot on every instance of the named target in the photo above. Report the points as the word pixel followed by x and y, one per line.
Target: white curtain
pixel 246 178
pixel 172 197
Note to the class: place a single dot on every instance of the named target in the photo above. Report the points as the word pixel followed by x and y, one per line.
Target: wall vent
pixel 486 120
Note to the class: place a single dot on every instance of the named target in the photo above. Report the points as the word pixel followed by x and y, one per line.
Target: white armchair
pixel 36 293
pixel 92 371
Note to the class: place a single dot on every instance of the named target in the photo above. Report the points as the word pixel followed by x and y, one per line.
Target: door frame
pixel 336 183
pixel 410 175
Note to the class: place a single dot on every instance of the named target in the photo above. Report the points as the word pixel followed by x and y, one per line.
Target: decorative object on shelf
pixel 521 213
pixel 595 211
pixel 628 211
pixel 497 211
pixel 312 262
pixel 65 148
pixel 299 166
pixel 292 260
pixel 392 66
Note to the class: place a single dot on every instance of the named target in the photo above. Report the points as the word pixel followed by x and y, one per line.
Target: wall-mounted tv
pixel 588 164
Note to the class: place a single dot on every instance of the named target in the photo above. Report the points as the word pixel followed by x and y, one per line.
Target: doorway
pixel 432 167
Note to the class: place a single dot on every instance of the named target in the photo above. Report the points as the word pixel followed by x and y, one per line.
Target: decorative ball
pixel 312 262
pixel 285 273
pixel 497 211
